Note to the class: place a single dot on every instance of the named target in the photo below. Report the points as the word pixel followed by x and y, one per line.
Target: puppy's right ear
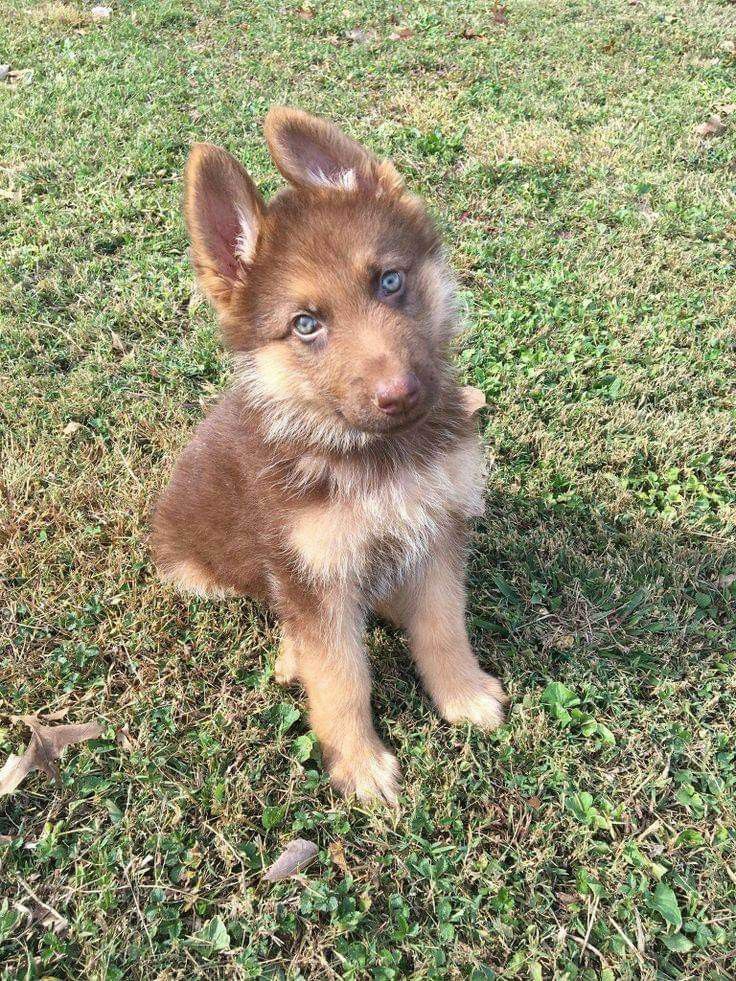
pixel 223 212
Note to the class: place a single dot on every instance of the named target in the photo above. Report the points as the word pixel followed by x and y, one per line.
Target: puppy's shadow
pixel 574 589
pixel 577 582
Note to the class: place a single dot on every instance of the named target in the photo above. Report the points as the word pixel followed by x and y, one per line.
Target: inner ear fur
pixel 315 154
pixel 223 212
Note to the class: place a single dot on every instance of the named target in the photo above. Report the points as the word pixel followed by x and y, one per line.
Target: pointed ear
pixel 223 212
pixel 313 153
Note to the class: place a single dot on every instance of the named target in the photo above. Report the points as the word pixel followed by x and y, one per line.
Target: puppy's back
pixel 209 521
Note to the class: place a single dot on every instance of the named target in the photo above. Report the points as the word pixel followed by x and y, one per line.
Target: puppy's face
pixel 336 294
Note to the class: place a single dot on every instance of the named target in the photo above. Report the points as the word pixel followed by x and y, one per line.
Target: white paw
pixel 370 772
pixel 285 669
pixel 480 700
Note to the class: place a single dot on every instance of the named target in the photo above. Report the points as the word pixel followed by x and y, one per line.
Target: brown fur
pixel 302 487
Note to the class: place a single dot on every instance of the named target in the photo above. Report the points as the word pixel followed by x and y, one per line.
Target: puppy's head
pixel 336 294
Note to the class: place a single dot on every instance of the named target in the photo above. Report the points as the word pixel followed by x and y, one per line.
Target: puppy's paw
pixel 369 772
pixel 285 669
pixel 480 700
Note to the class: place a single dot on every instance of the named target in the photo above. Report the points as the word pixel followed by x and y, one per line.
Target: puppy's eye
pixel 305 326
pixel 391 282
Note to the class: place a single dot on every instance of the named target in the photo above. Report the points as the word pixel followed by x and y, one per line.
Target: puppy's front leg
pixel 432 609
pixel 326 648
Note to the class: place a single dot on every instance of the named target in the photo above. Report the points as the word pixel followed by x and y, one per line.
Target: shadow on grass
pixel 552 586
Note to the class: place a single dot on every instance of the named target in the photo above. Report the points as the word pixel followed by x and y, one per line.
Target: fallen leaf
pixel 117 343
pixel 23 76
pixel 714 126
pixel 71 428
pixel 122 738
pixel 101 13
pixel 534 802
pixel 567 898
pixel 44 748
pixel 471 34
pixel 306 13
pixel 358 36
pixel 55 716
pixel 337 854
pixel 499 14
pixel 45 916
pixel 295 857
pixel 403 34
pixel 13 772
pixel 473 399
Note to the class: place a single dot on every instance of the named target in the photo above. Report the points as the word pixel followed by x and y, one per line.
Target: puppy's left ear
pixel 315 154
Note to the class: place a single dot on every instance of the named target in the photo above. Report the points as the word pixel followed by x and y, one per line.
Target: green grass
pixel 593 231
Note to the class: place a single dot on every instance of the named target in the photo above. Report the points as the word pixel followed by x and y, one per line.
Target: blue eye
pixel 304 325
pixel 391 282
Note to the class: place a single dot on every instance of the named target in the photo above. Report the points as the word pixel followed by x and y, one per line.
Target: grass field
pixel 593 230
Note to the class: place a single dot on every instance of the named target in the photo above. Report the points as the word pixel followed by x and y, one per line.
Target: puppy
pixel 337 476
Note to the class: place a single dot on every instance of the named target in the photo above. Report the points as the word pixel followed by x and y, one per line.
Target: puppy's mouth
pixel 378 426
pixel 408 422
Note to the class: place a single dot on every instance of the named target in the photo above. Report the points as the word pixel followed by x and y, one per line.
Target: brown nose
pixel 398 394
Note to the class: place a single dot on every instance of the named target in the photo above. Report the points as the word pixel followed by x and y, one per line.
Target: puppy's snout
pixel 398 394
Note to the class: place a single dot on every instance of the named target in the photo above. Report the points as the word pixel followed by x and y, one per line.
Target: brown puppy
pixel 338 474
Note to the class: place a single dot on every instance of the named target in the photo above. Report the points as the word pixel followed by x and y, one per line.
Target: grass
pixel 592 229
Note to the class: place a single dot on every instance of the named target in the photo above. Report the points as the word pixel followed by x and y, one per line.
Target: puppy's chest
pixel 374 536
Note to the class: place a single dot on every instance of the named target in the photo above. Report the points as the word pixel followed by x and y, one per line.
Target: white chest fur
pixel 378 533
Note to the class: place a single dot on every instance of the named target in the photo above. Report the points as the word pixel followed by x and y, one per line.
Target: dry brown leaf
pixel 567 898
pixel 46 917
pixel 40 912
pixel 23 76
pixel 358 36
pixel 296 856
pixel 473 399
pixel 305 13
pixel 714 126
pixel 56 715
pixel 402 34
pixel 499 14
pixel 337 854
pixel 71 428
pixel 117 343
pixel 46 745
pixel 122 738
pixel 471 34
pixel 13 772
